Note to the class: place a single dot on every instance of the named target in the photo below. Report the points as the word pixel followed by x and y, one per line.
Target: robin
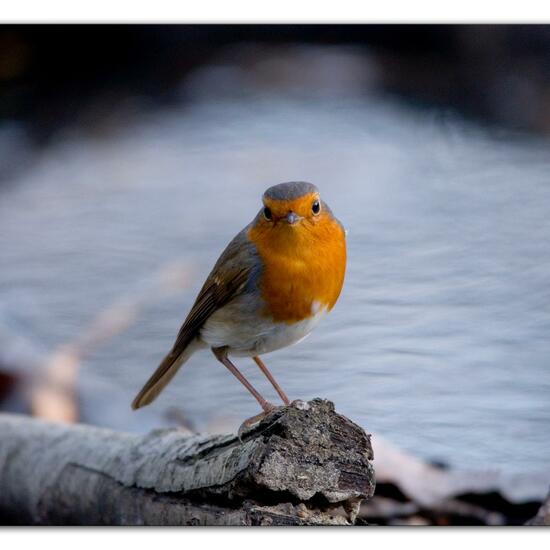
pixel 270 287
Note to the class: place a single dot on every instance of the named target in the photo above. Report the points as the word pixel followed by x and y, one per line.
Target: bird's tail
pixel 164 373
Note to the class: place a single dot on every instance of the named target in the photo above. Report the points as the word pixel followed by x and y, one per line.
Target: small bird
pixel 270 287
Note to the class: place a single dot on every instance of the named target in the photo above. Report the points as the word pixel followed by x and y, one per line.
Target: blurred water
pixel 440 340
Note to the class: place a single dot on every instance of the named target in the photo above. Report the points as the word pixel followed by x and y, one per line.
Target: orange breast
pixel 303 267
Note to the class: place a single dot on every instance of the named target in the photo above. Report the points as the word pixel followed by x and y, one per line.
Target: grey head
pixel 290 190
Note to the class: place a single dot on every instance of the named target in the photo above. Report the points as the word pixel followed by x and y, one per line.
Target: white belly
pixel 245 333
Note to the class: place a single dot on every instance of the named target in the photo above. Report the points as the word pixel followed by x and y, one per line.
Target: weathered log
pixel 302 464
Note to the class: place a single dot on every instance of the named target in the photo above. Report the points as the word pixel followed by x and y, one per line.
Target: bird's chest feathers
pixel 302 275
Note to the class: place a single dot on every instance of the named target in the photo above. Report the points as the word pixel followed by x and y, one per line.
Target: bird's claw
pixel 255 420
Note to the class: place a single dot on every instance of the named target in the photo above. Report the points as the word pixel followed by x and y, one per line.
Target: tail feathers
pixel 164 373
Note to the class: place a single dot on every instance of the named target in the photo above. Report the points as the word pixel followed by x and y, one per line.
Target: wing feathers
pixel 228 279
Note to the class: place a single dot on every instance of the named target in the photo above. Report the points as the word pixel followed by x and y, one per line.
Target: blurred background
pixel 131 155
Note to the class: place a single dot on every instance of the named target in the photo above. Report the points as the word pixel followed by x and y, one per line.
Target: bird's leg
pixel 221 356
pixel 269 376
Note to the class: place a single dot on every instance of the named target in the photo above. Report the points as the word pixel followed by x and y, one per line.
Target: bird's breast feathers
pixel 302 270
pixel 299 278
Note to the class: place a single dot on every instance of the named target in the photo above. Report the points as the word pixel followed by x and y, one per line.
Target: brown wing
pixel 235 269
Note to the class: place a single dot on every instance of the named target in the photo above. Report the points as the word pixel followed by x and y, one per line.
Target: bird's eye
pixel 316 207
pixel 267 213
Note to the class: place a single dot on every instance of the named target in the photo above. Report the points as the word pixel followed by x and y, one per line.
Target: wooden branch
pixel 303 464
pixel 50 375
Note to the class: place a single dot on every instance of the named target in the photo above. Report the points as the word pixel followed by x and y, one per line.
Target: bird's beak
pixel 292 218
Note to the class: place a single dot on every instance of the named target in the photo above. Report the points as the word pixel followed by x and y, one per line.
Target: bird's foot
pixel 253 421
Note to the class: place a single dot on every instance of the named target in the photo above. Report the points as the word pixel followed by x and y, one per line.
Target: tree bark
pixel 301 465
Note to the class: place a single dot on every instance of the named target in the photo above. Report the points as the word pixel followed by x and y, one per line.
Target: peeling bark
pixel 301 465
